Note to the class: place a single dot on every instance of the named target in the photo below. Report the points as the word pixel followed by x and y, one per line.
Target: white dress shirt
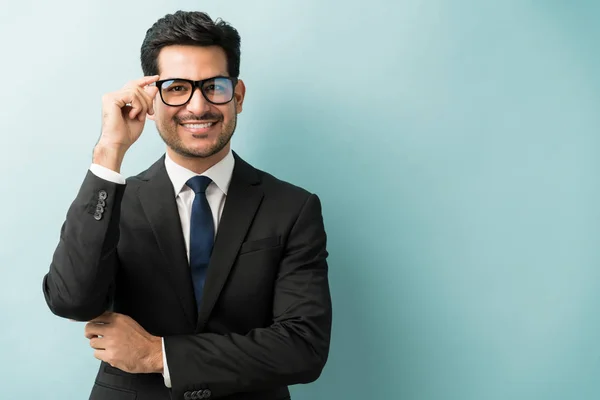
pixel 216 192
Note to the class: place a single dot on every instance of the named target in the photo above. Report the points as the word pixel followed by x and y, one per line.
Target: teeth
pixel 199 126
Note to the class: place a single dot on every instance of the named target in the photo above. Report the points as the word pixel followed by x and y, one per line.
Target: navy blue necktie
pixel 202 233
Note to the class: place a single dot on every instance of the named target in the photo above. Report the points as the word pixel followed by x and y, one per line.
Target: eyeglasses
pixel 177 92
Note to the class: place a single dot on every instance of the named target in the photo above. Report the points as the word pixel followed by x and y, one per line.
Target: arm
pixel 81 276
pixel 292 350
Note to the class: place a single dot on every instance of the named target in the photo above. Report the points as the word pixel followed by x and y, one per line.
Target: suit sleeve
pixel 292 350
pixel 81 276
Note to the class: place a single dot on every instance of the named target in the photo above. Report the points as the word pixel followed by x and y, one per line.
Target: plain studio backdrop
pixel 454 145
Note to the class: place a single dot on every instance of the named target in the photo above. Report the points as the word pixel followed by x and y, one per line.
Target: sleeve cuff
pixel 166 375
pixel 107 174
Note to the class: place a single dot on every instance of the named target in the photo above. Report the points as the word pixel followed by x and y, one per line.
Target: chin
pixel 201 151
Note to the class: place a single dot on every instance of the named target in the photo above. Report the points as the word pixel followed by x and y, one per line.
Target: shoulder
pixel 282 194
pixel 272 185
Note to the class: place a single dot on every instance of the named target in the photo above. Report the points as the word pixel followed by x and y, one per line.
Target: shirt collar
pixel 220 173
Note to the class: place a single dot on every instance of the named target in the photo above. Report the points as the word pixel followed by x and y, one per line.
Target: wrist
pixel 155 358
pixel 109 156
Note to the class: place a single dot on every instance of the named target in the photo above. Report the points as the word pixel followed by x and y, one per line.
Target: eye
pixel 215 88
pixel 177 88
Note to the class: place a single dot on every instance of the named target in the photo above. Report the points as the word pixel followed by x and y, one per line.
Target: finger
pixel 133 103
pixel 95 329
pixel 150 93
pixel 148 102
pixel 145 102
pixel 101 355
pixel 94 332
pixel 91 335
pixel 140 83
pixel 124 100
pixel 98 343
pixel 138 106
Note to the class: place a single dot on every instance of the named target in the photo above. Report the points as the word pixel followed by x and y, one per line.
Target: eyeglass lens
pixel 176 92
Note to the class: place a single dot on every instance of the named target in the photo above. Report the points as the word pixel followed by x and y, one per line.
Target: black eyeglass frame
pixel 197 84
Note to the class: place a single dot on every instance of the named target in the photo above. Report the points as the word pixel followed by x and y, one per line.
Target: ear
pixel 239 95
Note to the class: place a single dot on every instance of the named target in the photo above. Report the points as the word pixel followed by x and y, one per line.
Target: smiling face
pixel 197 129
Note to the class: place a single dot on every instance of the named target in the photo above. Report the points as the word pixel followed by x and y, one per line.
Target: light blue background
pixel 454 145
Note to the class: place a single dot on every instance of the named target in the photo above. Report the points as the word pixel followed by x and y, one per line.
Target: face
pixel 197 129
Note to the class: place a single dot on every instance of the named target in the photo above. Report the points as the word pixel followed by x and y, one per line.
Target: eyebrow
pixel 188 79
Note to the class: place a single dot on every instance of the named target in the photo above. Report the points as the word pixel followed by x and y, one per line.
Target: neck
pixel 198 164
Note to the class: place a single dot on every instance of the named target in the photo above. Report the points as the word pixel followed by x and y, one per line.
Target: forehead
pixel 191 62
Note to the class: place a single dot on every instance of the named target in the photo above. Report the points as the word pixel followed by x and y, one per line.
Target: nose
pixel 197 104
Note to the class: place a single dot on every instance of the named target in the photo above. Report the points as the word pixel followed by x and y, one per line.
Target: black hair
pixel 190 28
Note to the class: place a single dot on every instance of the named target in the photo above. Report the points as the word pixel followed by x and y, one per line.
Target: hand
pixel 123 118
pixel 124 112
pixel 124 344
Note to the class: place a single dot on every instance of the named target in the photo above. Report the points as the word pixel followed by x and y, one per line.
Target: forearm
pixel 292 350
pixel 84 264
pixel 280 355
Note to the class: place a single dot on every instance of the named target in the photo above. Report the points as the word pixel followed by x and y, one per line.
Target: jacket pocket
pixel 101 391
pixel 109 369
pixel 260 244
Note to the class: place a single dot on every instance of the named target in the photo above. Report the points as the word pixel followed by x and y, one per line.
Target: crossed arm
pixel 292 350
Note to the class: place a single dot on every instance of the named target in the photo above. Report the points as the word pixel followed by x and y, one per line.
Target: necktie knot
pixel 199 183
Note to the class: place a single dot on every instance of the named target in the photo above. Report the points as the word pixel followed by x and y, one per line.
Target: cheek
pixel 228 112
pixel 164 116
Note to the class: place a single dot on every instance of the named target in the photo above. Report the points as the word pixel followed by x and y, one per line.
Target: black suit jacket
pixel 265 318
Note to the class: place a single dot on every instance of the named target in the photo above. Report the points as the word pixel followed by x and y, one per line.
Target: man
pixel 201 277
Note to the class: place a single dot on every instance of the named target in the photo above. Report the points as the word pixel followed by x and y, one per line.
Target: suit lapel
pixel 243 198
pixel 158 201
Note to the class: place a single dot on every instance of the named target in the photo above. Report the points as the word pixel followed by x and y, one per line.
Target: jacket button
pixel 187 396
pixel 101 203
pixel 206 394
pixel 102 195
pixel 99 209
pixel 97 216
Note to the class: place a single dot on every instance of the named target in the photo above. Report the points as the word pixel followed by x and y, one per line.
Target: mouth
pixel 198 127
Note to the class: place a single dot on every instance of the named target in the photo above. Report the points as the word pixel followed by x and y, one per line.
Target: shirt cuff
pixel 107 174
pixel 166 375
